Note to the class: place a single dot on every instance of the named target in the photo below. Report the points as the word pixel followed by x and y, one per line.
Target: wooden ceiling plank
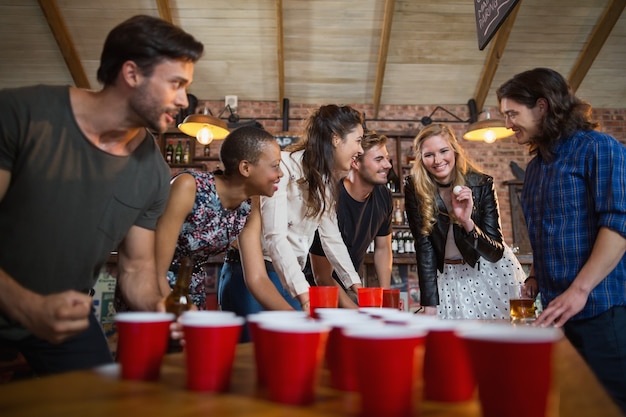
pixel 493 59
pixel 280 50
pixel 598 37
pixel 382 54
pixel 59 30
pixel 164 10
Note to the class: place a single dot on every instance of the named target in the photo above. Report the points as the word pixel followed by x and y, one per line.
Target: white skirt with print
pixel 479 292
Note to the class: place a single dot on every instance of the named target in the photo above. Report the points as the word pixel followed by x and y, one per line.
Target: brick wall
pixel 404 120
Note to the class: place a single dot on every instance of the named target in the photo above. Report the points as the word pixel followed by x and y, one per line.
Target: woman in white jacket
pixel 304 202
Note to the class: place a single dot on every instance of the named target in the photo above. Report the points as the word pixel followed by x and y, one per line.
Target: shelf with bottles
pixel 402 243
pixel 394 184
pixel 180 150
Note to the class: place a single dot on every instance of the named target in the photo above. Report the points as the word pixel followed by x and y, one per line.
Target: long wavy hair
pixel 566 112
pixel 425 184
pixel 318 161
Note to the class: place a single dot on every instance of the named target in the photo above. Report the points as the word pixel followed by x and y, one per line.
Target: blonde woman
pixel 464 266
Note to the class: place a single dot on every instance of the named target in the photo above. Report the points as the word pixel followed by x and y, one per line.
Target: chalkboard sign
pixel 490 15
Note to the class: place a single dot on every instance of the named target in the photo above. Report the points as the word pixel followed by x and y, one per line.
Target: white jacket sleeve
pixel 283 238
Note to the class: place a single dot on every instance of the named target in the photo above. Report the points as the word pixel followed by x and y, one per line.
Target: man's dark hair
pixel 147 41
pixel 566 112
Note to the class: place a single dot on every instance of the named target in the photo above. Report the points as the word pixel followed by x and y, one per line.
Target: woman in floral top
pixel 206 212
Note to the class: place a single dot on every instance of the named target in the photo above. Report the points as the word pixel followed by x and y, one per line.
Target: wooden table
pixel 94 393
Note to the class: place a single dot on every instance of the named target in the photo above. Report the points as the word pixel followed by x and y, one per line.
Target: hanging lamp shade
pixel 487 130
pixel 205 128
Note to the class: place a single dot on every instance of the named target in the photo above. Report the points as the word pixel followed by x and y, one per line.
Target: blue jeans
pixel 233 294
pixel 82 351
pixel 601 341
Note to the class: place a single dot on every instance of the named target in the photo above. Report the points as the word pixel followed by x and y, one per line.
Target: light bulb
pixel 490 136
pixel 204 135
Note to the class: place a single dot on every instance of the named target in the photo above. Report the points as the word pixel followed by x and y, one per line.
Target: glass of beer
pixel 521 303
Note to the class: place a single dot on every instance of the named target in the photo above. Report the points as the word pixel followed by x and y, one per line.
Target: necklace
pixel 446 185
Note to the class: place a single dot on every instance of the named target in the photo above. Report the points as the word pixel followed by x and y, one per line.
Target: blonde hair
pixel 425 185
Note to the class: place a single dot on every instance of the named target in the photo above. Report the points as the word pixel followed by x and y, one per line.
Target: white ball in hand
pixel 457 190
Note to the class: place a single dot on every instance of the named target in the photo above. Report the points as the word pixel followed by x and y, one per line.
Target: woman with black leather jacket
pixel 464 266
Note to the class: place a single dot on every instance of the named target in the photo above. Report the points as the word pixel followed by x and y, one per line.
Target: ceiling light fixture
pixel 487 130
pixel 204 127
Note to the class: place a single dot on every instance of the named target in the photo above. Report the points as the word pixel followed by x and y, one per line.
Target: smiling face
pixel 266 172
pixel 525 122
pixel 373 166
pixel 438 158
pixel 157 99
pixel 348 148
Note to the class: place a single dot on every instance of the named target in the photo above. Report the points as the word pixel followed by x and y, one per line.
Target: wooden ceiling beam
pixel 164 10
pixel 280 49
pixel 598 37
pixel 64 41
pixel 383 51
pixel 493 59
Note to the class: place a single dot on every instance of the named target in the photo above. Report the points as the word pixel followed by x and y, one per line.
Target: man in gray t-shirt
pixel 80 176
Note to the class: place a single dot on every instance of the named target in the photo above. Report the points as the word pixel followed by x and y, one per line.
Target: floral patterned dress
pixel 208 230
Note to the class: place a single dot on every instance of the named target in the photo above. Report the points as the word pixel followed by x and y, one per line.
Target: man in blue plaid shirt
pixel 574 202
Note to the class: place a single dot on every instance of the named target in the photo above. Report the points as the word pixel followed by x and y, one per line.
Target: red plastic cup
pixel 389 363
pixel 448 375
pixel 513 368
pixel 142 343
pixel 391 298
pixel 340 359
pixel 210 342
pixel 295 358
pixel 331 313
pixel 262 347
pixel 382 313
pixel 370 296
pixel 324 296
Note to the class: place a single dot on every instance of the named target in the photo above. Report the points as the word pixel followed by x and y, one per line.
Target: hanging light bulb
pixel 204 135
pixel 488 130
pixel 204 128
pixel 490 136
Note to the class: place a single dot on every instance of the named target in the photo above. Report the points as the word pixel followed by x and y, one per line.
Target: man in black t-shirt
pixel 364 210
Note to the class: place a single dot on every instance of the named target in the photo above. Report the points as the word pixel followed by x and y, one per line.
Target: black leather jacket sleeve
pixel 484 241
pixel 424 251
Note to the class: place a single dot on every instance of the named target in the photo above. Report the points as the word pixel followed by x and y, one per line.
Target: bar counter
pixel 100 392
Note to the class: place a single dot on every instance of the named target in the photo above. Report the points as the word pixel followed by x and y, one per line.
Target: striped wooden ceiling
pixel 343 51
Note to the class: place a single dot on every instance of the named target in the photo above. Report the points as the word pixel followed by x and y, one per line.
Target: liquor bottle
pixel 178 153
pixel 393 181
pixel 207 151
pixel 409 245
pixel 169 153
pixel 187 153
pixel 398 214
pixel 400 240
pixel 394 242
pixel 178 300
